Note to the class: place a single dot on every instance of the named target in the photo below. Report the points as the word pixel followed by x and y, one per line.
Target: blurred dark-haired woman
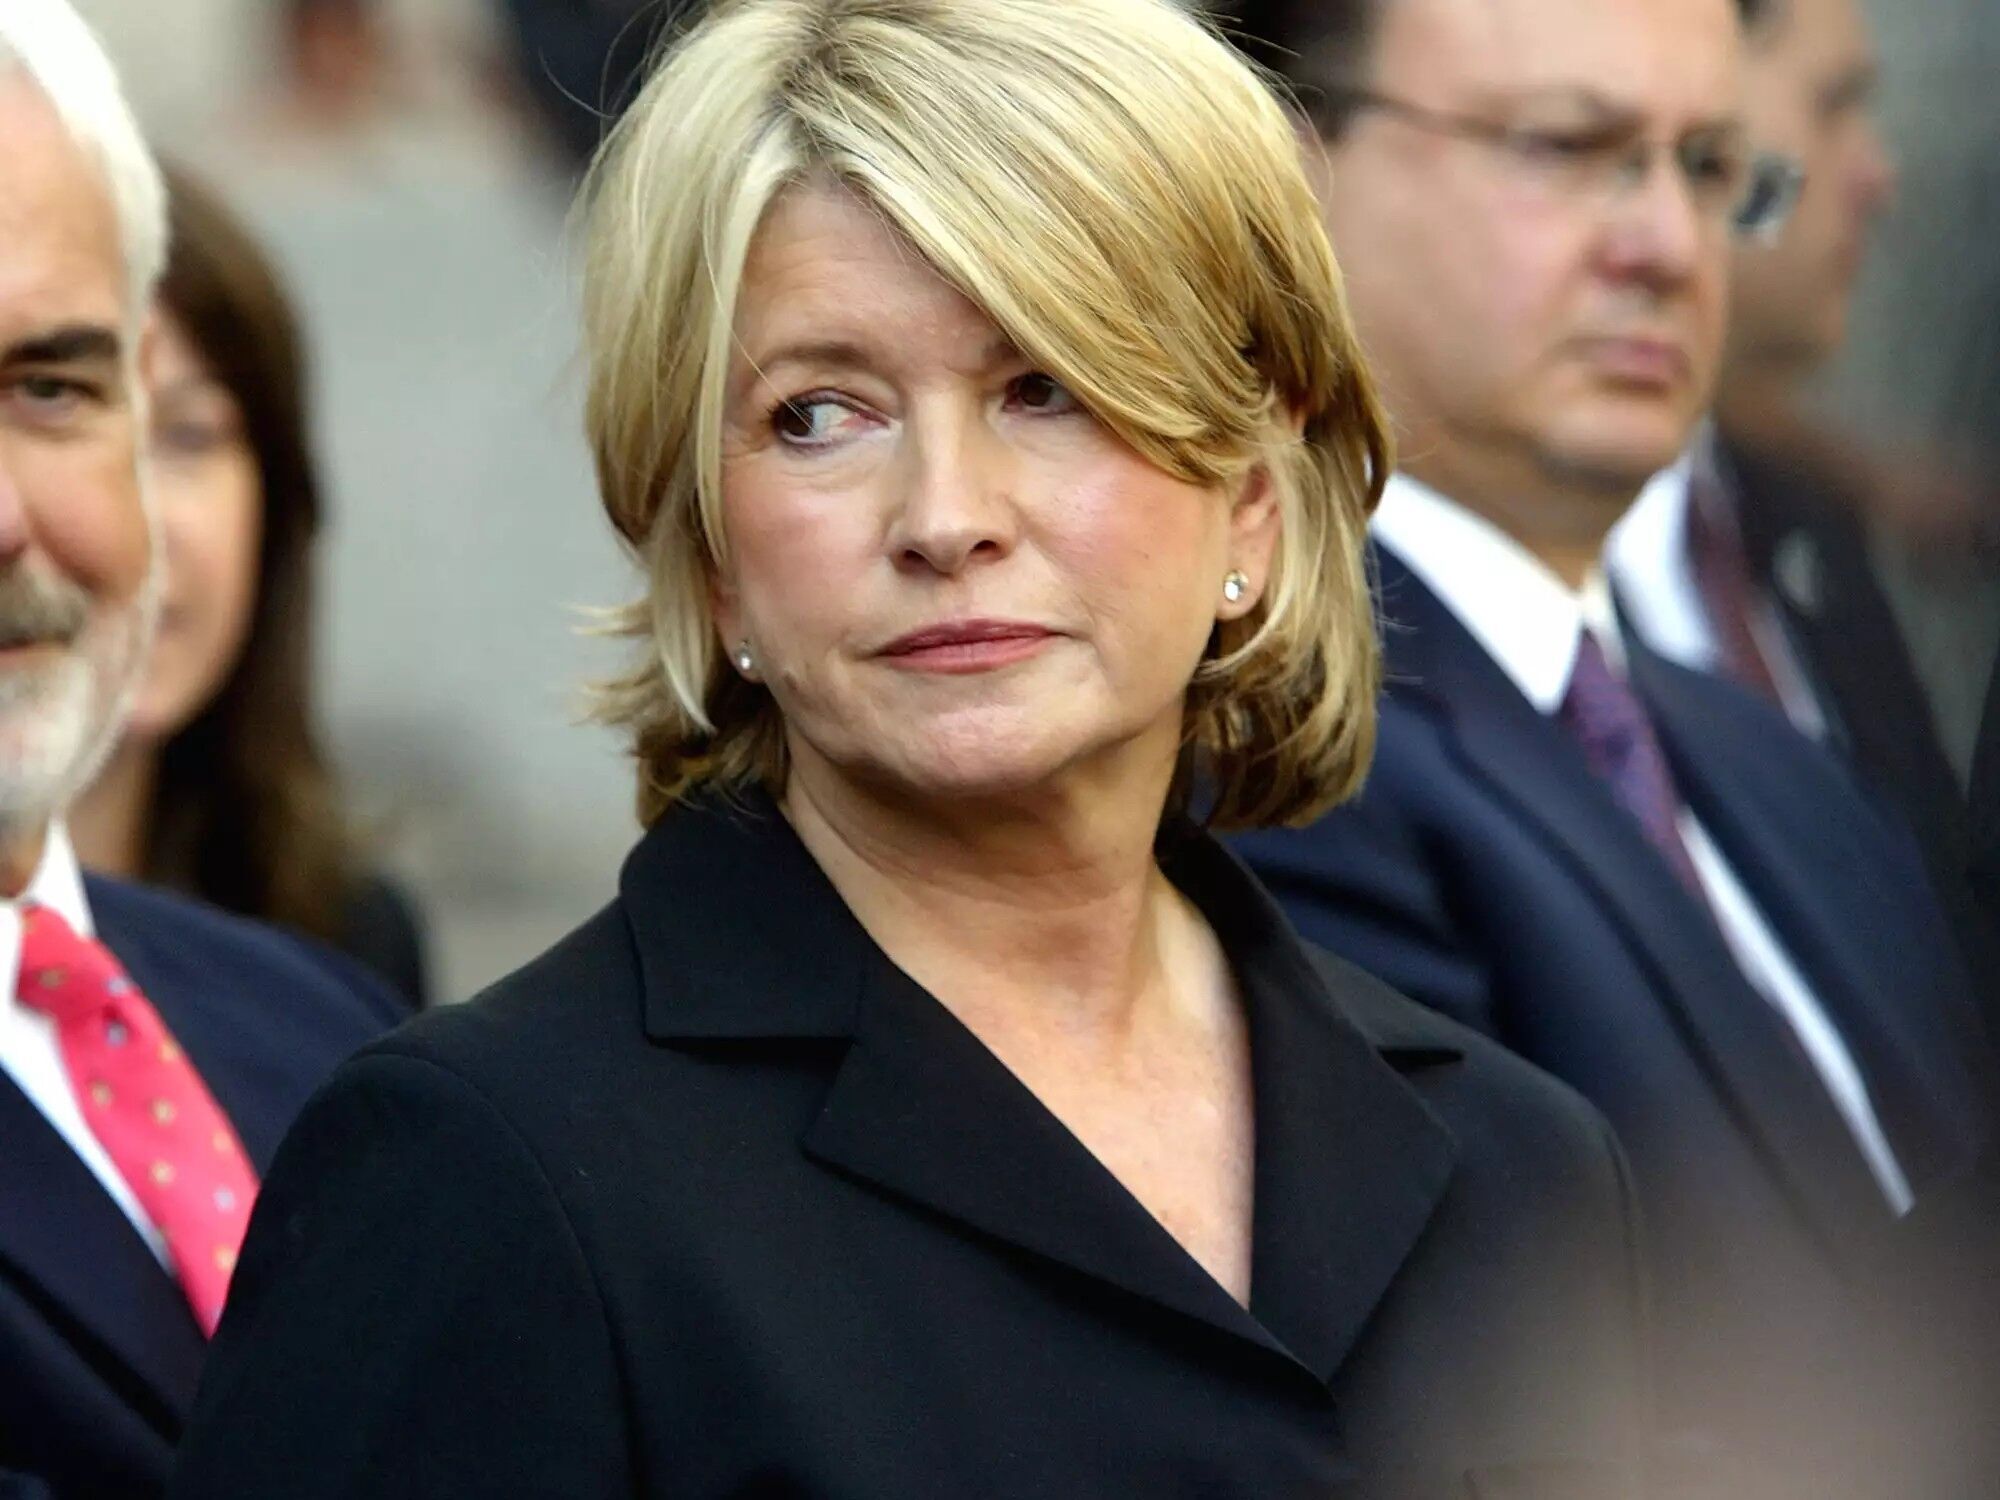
pixel 220 787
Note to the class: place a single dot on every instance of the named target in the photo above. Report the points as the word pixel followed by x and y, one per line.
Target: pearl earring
pixel 1235 586
pixel 744 660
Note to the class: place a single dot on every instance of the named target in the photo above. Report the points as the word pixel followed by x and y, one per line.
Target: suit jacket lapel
pixel 1349 1163
pixel 82 1258
pixel 1739 1041
pixel 1809 554
pixel 227 1061
pixel 1912 1049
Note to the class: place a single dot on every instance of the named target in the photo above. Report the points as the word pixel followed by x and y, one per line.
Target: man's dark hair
pixel 1315 46
pixel 1322 47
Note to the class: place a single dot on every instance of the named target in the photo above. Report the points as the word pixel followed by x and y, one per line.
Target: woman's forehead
pixel 830 281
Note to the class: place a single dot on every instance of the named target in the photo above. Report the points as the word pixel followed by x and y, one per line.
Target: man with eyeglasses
pixel 1751 558
pixel 1637 876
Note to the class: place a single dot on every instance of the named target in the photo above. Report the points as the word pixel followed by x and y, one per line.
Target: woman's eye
pixel 809 421
pixel 1042 393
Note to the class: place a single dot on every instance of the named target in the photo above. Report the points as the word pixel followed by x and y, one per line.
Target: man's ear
pixel 145 358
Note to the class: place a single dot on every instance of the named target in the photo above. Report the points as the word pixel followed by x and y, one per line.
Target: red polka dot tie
pixel 145 1103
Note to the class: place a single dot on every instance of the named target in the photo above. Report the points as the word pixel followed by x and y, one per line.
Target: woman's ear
pixel 725 610
pixel 1256 521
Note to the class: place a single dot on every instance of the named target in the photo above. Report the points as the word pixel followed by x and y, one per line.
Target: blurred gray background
pixel 424 241
pixel 1923 370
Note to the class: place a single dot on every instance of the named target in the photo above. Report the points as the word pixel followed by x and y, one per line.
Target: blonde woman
pixel 937 1110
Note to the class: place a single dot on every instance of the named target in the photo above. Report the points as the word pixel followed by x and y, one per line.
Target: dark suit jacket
pixel 1808 552
pixel 380 929
pixel 713 1200
pixel 99 1354
pixel 1983 854
pixel 583 60
pixel 1487 873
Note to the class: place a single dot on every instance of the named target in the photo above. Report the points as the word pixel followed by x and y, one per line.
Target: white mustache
pixel 35 610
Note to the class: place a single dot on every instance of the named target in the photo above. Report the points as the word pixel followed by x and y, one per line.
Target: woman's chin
pixel 994 771
pixel 977 778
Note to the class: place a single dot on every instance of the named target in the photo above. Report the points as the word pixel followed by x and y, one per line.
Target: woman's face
pixel 952 579
pixel 211 505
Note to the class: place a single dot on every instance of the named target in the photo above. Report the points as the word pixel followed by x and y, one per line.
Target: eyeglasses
pixel 1752 193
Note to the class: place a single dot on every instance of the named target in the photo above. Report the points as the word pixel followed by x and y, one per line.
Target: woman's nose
pixel 955 506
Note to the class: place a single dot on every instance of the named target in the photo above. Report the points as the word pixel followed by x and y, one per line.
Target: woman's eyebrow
pixel 838 352
pixel 852 354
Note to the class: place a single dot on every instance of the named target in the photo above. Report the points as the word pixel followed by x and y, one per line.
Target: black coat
pixel 380 929
pixel 99 1353
pixel 713 1200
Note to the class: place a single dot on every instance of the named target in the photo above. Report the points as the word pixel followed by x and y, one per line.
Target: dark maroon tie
pixel 1610 724
pixel 1721 571
pixel 1616 735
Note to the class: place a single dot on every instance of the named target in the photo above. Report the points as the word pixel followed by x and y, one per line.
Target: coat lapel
pixel 921 1109
pixel 116 1295
pixel 1349 1162
pixel 1733 1033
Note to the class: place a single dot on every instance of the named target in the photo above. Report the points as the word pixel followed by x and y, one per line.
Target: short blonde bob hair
pixel 1122 195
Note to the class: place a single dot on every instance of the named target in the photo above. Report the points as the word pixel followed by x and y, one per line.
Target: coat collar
pixel 739 933
pixel 741 938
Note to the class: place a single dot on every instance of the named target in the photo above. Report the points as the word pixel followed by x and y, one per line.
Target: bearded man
pixel 151 1051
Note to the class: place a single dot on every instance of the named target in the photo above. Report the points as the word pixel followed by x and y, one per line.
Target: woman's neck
pixel 1050 912
pixel 110 822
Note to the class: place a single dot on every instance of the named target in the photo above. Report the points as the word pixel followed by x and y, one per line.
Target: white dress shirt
pixel 29 1051
pixel 1651 568
pixel 1529 621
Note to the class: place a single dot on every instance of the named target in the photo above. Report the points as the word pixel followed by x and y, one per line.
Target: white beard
pixel 59 722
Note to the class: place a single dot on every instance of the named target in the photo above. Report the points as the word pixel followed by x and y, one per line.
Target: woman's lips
pixel 963 646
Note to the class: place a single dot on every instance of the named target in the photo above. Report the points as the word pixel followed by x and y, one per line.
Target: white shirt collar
pixel 1647 558
pixel 30 1048
pixel 1526 617
pixel 58 884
